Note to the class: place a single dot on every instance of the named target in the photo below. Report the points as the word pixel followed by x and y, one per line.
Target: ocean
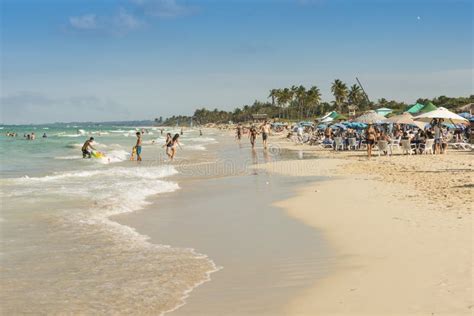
pixel 60 251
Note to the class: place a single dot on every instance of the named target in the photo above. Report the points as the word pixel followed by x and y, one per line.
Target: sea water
pixel 60 252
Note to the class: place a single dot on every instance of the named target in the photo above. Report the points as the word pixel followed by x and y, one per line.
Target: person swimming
pixel 87 148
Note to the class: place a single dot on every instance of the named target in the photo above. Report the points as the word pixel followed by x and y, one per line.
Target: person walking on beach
pixel 265 129
pixel 238 132
pixel 87 148
pixel 174 143
pixel 253 135
pixel 437 136
pixel 370 138
pixel 168 144
pixel 138 146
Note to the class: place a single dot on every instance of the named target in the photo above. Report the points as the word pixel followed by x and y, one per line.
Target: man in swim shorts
pixel 87 148
pixel 138 146
pixel 253 135
pixel 239 132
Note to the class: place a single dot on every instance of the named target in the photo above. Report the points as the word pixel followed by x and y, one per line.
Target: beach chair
pixel 338 143
pixel 427 147
pixel 382 146
pixel 394 144
pixel 352 143
pixel 407 147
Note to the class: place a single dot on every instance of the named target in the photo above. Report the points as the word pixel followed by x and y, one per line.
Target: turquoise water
pixel 60 251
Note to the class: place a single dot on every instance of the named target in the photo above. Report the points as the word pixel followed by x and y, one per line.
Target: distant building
pixel 259 117
pixel 384 111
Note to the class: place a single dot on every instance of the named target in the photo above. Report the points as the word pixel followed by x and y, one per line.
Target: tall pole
pixel 363 90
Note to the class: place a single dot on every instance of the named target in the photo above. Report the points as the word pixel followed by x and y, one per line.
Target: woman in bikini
pixel 168 144
pixel 174 143
pixel 370 138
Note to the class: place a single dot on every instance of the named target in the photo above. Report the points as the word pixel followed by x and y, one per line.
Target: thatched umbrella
pixel 370 117
pixel 404 118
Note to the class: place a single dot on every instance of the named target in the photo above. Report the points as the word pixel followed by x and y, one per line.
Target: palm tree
pixel 340 92
pixel 273 94
pixel 284 97
pixel 300 96
pixel 355 96
pixel 313 98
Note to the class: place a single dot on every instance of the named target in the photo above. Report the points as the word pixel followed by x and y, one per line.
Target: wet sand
pixel 266 257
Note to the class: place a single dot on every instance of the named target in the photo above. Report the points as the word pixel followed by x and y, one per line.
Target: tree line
pixel 301 103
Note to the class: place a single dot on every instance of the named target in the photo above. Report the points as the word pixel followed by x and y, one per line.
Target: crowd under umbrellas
pixel 431 132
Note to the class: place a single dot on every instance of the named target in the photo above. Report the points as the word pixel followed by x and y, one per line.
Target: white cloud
pixel 164 8
pixel 84 22
pixel 116 24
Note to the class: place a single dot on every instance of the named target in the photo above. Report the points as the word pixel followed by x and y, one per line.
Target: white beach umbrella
pixel 370 117
pixel 441 113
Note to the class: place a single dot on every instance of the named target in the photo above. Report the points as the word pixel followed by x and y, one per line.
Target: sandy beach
pixel 401 227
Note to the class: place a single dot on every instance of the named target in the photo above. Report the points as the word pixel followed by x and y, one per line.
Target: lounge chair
pixel 407 147
pixel 382 146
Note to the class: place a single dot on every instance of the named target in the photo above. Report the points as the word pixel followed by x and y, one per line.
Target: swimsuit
pixel 264 136
pixel 139 150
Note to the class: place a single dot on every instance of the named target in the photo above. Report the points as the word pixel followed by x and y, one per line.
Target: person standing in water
pixel 87 148
pixel 138 146
pixel 253 135
pixel 182 131
pixel 168 144
pixel 174 143
pixel 265 129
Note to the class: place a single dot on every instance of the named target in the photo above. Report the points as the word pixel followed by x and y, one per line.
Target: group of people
pixel 389 133
pixel 171 144
pixel 253 132
pixel 30 136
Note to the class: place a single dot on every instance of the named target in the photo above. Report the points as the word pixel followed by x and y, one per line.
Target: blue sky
pixel 95 60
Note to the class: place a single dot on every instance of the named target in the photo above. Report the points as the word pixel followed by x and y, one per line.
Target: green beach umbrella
pixel 415 108
pixel 428 108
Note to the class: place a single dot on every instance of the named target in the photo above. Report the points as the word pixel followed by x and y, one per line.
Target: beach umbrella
pixel 415 108
pixel 466 115
pixel 340 117
pixel 339 125
pixel 441 113
pixel 419 124
pixel 428 108
pixel 370 117
pixel 404 118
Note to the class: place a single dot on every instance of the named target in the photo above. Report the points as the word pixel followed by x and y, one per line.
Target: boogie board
pixel 97 154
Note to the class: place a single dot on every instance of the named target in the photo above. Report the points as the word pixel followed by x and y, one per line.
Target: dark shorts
pixel 86 153
pixel 264 136
pixel 370 141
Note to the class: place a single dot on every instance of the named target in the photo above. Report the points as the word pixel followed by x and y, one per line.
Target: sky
pixel 105 60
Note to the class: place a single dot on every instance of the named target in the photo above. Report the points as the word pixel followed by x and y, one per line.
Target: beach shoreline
pixel 400 250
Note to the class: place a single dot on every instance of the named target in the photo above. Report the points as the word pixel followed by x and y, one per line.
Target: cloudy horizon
pixel 141 59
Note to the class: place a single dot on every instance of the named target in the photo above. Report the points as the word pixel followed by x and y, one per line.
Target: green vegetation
pixel 299 103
